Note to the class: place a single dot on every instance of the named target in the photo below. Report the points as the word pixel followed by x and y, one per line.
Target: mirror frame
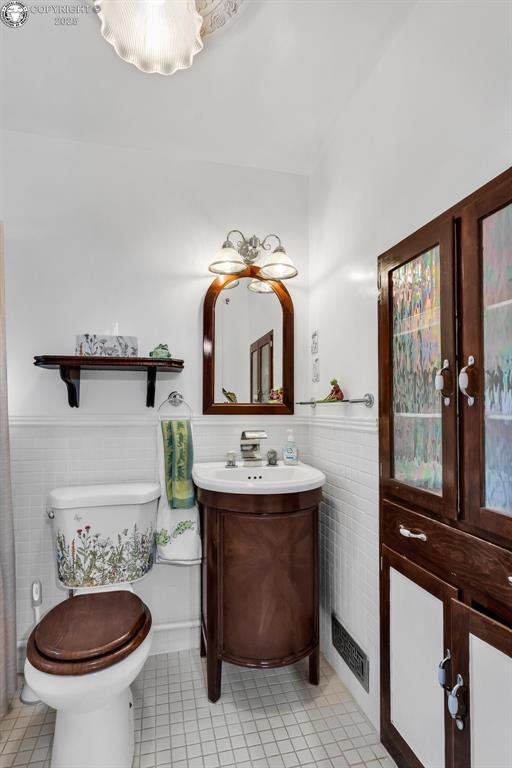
pixel 210 300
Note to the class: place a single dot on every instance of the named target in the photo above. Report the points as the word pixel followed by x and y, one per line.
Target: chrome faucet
pixel 250 447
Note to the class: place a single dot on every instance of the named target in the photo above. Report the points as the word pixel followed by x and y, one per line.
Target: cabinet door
pixel 486 406
pixel 269 587
pixel 482 656
pixel 418 409
pixel 415 635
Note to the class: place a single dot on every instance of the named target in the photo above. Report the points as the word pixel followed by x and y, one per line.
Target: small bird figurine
pixel 336 392
pixel 230 396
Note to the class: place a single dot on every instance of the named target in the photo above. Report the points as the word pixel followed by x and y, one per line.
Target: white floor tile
pixel 264 719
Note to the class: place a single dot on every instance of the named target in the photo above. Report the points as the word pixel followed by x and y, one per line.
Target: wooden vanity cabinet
pixel 445 413
pixel 260 581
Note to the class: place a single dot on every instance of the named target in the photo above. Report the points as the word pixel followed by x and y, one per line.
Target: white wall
pixel 432 123
pixel 98 234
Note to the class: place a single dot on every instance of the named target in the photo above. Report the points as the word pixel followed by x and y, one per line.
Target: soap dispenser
pixel 290 452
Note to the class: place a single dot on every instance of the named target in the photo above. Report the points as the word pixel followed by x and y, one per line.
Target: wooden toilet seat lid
pixel 89 632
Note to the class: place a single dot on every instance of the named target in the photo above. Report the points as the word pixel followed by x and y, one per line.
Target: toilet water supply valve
pixel 27 695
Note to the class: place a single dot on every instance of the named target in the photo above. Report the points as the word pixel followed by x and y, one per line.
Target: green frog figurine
pixel 161 352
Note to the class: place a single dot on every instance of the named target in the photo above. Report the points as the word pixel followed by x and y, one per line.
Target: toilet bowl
pixel 94 724
pixel 85 653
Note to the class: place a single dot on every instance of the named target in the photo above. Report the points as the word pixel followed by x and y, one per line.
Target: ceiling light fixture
pixel 233 259
pixel 161 36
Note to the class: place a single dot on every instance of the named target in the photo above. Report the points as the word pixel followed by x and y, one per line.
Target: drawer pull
pixel 411 534
pixel 509 579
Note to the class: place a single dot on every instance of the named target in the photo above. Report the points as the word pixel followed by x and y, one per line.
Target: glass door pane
pixel 496 244
pixel 416 359
pixel 255 377
pixel 266 372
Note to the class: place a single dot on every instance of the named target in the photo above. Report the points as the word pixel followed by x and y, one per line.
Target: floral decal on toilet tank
pixel 90 559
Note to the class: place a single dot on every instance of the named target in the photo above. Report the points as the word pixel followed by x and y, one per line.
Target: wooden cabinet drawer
pixel 459 557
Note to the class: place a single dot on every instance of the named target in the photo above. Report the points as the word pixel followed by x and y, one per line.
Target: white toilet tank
pixel 103 534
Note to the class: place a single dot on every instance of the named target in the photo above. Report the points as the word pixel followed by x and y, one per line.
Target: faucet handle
pixel 230 459
pixel 254 434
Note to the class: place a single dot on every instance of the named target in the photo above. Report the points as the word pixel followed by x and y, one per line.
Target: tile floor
pixel 264 719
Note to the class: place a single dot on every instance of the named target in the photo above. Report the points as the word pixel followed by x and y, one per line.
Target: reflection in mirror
pixel 248 344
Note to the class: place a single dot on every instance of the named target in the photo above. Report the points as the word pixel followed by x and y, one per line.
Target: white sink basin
pixel 215 476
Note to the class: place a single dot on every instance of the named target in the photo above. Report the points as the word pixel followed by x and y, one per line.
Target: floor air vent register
pixel 351 653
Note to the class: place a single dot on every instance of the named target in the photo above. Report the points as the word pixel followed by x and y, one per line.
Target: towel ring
pixel 175 399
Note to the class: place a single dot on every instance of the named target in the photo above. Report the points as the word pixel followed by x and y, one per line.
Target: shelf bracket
pixel 70 375
pixel 150 394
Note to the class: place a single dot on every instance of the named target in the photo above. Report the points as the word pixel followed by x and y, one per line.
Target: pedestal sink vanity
pixel 260 602
pixel 259 523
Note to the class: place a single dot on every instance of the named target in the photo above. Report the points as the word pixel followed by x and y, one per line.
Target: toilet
pixel 85 653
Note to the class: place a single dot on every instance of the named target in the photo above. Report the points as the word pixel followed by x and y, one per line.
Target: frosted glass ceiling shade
pixel 155 35
pixel 259 286
pixel 228 261
pixel 278 265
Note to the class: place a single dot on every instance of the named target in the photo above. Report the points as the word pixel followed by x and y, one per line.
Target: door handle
pixel 442 671
pixel 408 534
pixel 464 380
pixel 456 706
pixel 439 381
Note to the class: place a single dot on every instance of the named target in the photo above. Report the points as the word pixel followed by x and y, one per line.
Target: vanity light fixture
pixel 233 259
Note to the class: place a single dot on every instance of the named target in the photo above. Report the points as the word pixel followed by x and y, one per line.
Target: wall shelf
pixel 368 400
pixel 70 367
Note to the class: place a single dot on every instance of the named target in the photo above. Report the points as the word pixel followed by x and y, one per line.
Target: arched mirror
pixel 247 345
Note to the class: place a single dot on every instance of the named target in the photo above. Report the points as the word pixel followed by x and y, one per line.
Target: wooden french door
pixel 417 368
pixel 486 359
pixel 262 368
pixel 481 700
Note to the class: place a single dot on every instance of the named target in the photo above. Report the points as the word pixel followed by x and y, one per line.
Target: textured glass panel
pixel 497 299
pixel 416 360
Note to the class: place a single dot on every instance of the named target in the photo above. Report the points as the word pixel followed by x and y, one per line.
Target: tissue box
pixel 101 345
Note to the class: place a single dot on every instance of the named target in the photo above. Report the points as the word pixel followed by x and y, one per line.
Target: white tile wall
pixel 48 453
pixel 346 450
